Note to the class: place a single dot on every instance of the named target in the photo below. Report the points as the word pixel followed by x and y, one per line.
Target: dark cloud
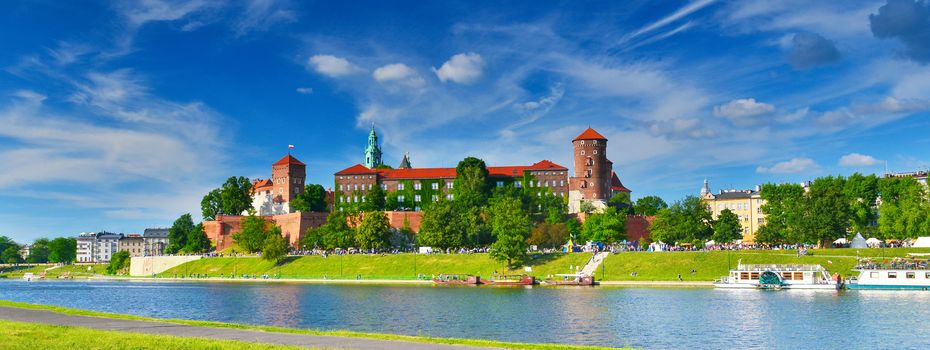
pixel 811 49
pixel 908 21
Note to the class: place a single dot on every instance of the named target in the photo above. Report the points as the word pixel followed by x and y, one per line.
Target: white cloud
pixel 398 73
pixel 793 166
pixel 464 68
pixel 745 112
pixel 305 90
pixel 259 15
pixel 690 128
pixel 332 66
pixel 858 160
pixel 678 14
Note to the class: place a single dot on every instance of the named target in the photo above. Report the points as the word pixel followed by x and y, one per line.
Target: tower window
pixel 595 151
pixel 582 152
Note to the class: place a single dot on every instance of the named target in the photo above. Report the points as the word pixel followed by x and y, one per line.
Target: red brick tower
pixel 288 175
pixel 592 169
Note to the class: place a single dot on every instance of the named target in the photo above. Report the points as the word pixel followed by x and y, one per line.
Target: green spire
pixel 372 152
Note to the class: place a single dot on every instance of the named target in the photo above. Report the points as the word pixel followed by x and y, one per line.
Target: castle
pixel 594 180
pixel 273 196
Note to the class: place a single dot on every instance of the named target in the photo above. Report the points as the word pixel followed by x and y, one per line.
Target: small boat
pixel 457 280
pixel 778 277
pixel 29 276
pixel 570 280
pixel 900 273
pixel 510 280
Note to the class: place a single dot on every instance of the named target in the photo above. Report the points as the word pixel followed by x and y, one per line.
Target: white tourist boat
pixel 779 276
pixel 897 274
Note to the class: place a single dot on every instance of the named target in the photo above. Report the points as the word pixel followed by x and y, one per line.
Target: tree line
pixel 42 250
pixel 834 207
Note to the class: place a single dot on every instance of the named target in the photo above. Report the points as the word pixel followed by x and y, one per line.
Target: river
pixel 649 318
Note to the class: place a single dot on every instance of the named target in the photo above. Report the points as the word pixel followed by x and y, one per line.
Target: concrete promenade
pixel 174 329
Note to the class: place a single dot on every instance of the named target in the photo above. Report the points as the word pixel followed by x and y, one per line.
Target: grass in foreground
pixel 29 336
pixel 388 267
pixel 708 266
pixel 420 339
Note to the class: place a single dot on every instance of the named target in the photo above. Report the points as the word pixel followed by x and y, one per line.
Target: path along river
pixel 650 318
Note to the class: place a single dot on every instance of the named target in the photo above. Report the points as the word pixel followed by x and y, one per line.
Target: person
pixel 679 277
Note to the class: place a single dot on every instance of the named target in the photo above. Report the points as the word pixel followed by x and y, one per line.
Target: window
pixel 910 275
pixel 355 199
pixel 355 188
pixel 400 187
pixel 400 199
pixel 500 184
pixel 384 187
pixel 449 184
pixel 369 187
pixel 340 187
pixel 449 196
pixel 892 275
pixel 582 142
pixel 518 184
pixel 416 198
pixel 595 151
pixel 416 186
pixel 582 152
pixel 434 185
pixel 561 183
pixel 434 198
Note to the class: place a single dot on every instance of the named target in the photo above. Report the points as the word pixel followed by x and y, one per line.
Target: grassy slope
pixel 709 266
pixel 392 266
pixel 474 342
pixel 29 336
pixel 75 270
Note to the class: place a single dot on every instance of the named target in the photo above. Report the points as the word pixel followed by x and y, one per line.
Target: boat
pixel 899 273
pixel 570 280
pixel 510 280
pixel 778 277
pixel 29 276
pixel 457 280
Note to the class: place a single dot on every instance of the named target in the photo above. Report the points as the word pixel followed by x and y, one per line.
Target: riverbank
pixel 130 324
pixel 639 267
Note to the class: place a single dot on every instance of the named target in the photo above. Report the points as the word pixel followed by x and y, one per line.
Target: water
pixel 638 317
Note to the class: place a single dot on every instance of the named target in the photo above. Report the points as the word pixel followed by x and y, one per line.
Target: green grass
pixel 29 336
pixel 421 339
pixel 708 266
pixel 76 271
pixel 387 267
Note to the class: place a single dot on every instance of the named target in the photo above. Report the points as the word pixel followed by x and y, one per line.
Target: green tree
pixel 510 247
pixel 510 225
pixel 253 234
pixel 62 250
pixel 471 187
pixel 727 227
pixel 374 231
pixel 178 233
pixel 275 246
pixel 335 233
pixel 649 205
pixel 38 252
pixel 375 199
pixel 119 262
pixel 608 226
pixel 211 204
pixel 312 200
pixel 197 241
pixel 441 226
pixel 861 191
pixel 6 242
pixel 904 212
pixel 473 225
pixel 785 214
pixel 546 235
pixel 685 221
pixel 828 209
pixel 10 255
pixel 403 238
pixel 622 201
pixel 574 227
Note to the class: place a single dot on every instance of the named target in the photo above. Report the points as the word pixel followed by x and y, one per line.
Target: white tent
pixel 858 242
pixel 873 242
pixel 921 242
pixel 710 243
pixel 841 241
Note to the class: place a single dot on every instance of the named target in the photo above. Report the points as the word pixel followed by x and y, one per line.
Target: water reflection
pixel 638 317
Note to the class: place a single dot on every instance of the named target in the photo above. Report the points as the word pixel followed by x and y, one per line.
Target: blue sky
pixel 120 116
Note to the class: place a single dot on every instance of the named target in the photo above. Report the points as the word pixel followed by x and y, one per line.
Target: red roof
pixel 262 183
pixel 616 185
pixel 546 164
pixel 447 173
pixel 288 159
pixel 590 134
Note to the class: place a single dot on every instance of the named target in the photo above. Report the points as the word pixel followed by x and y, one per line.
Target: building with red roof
pixel 272 196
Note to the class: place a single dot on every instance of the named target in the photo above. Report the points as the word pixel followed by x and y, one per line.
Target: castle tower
pixel 405 163
pixel 287 175
pixel 372 151
pixel 591 182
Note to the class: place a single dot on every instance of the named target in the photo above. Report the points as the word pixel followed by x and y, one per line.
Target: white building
pixel 105 246
pixel 155 241
pixel 85 247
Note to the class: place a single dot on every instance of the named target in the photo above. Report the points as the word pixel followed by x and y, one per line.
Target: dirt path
pixel 255 336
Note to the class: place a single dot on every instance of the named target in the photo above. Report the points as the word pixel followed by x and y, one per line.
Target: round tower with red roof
pixel 591 182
